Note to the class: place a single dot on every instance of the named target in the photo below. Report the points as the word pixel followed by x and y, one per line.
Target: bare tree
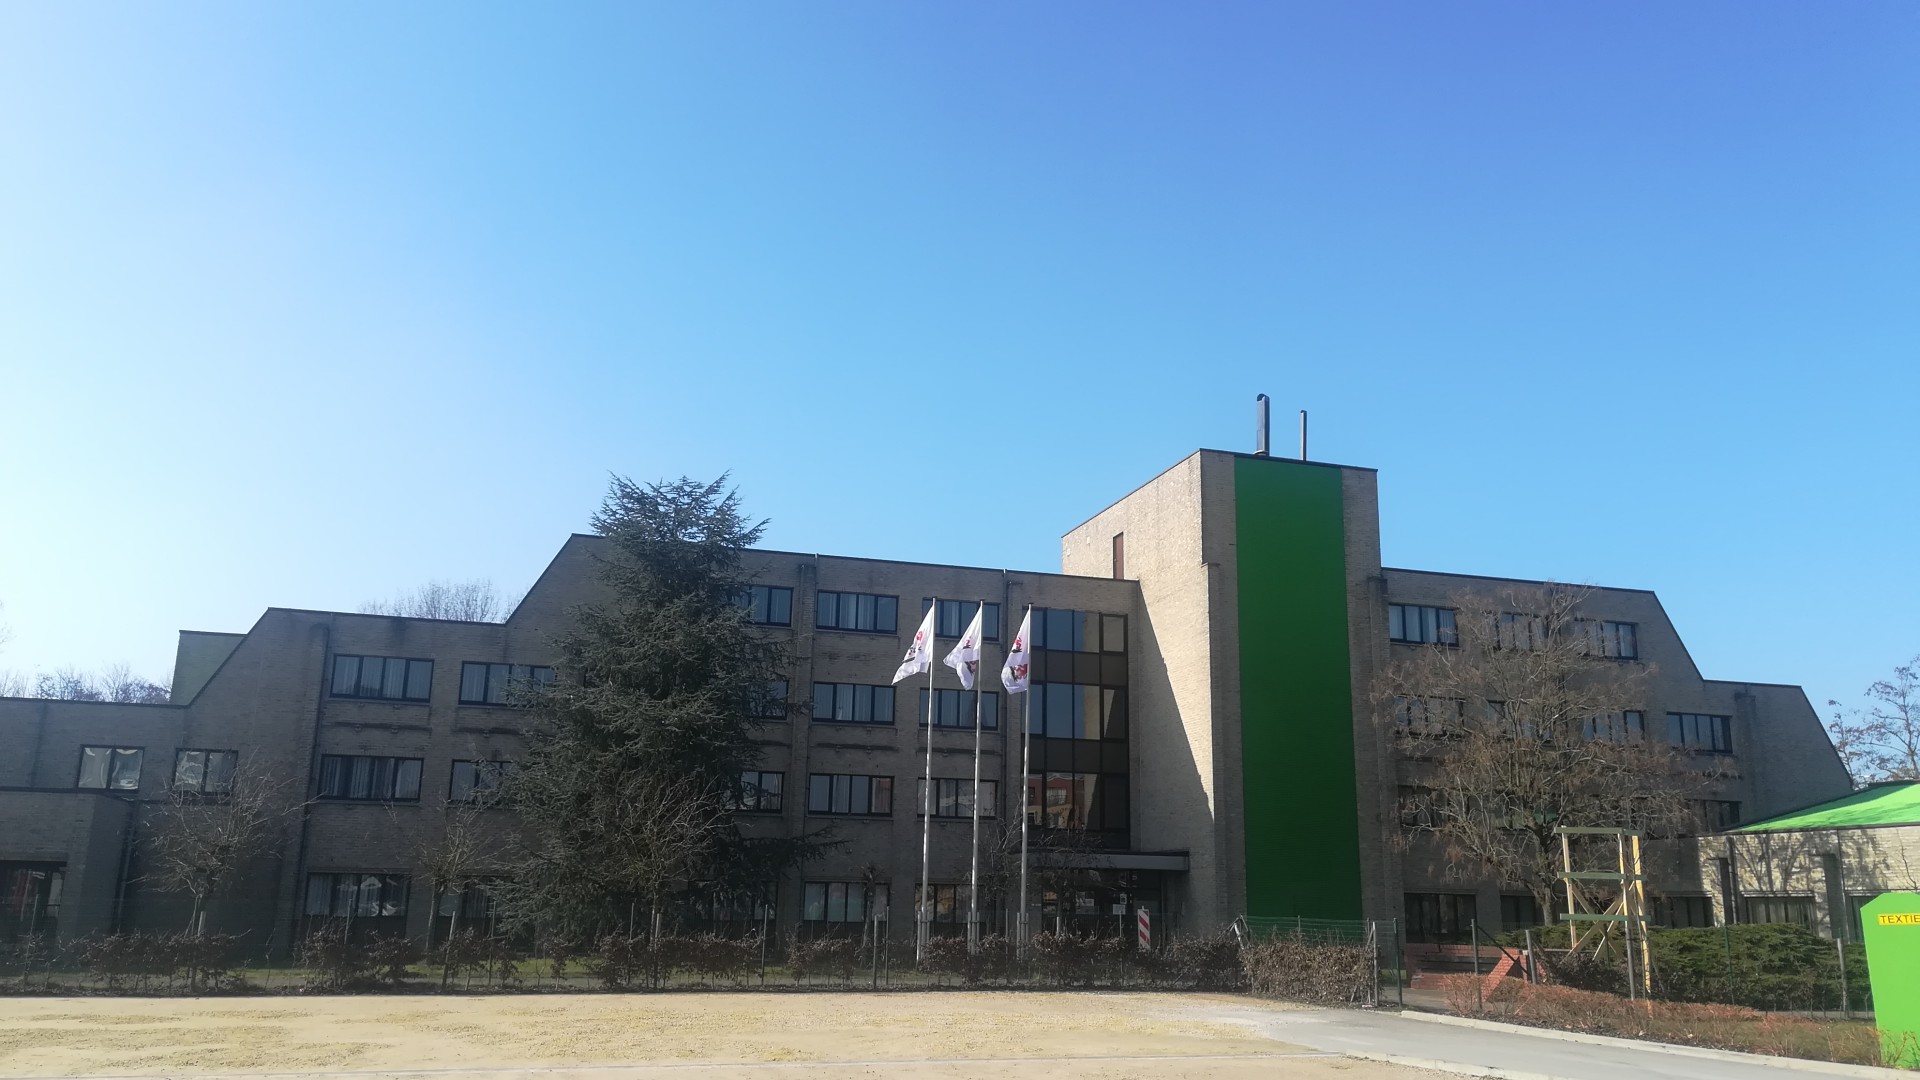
pixel 462 856
pixel 1882 740
pixel 218 818
pixel 118 684
pixel 465 601
pixel 1524 724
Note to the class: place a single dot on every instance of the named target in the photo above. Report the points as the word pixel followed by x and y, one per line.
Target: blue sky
pixel 303 304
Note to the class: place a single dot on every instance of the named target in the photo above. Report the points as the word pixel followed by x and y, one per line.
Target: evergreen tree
pixel 628 789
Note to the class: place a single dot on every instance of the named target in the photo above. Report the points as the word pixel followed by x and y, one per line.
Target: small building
pixel 1819 865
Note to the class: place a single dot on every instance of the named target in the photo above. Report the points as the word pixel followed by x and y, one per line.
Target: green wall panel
pixel 1296 695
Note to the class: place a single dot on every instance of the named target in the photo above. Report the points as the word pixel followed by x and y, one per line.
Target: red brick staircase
pixel 1426 963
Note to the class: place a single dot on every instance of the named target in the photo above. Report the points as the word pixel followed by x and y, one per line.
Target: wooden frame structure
pixel 1590 919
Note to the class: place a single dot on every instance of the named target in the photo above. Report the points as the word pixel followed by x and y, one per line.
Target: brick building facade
pixel 1199 721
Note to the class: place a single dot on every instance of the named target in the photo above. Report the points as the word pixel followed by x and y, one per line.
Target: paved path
pixel 1517 1055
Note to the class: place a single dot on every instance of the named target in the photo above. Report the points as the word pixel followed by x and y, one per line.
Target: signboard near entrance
pixel 1891 922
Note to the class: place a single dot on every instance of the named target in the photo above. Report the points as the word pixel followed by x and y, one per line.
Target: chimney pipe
pixel 1303 434
pixel 1263 410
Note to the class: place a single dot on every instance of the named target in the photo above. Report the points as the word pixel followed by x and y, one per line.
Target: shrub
pixel 621 960
pixel 340 963
pixel 823 957
pixel 715 958
pixel 1199 964
pixel 1299 968
pixel 1063 958
pixel 192 962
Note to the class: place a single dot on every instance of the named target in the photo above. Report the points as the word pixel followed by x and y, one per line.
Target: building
pixel 1201 732
pixel 1814 867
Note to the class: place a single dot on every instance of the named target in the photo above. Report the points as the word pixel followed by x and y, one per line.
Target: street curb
pixel 1454 1067
pixel 1829 1068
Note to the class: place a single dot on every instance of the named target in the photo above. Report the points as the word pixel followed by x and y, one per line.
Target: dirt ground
pixel 716 1036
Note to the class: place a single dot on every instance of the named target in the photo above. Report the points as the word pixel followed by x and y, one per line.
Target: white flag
pixel 965 657
pixel 920 653
pixel 1013 675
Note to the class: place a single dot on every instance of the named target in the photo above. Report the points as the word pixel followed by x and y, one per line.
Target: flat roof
pixel 1896 802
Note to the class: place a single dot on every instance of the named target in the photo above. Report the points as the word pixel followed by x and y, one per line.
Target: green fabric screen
pixel 1296 693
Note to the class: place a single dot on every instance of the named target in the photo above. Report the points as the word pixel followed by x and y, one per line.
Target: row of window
pixel 397 678
pixel 851 703
pixel 1449 917
pixel 1053 628
pixel 872 796
pixel 117 768
pixel 1422 624
pixel 1418 811
pixel 1705 732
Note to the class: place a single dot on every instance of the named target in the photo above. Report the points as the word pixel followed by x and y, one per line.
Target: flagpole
pixel 926 799
pixel 1026 792
pixel 973 875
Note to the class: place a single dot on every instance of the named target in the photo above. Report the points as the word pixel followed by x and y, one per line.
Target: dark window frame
pixel 1606 633
pixel 760 598
pixel 1693 731
pixel 873 693
pixel 962 787
pixel 344 772
pixel 488 690
pixel 500 769
pixel 820 607
pixel 875 784
pixel 1044 630
pixel 401 882
pixel 206 770
pixel 873 896
pixel 990 627
pixel 1446 624
pixel 762 800
pixel 962 710
pixel 139 768
pixel 406 678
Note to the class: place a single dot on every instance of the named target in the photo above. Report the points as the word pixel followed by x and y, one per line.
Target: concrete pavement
pixel 1495 1050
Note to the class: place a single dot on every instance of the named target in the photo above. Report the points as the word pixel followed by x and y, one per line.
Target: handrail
pixel 1519 959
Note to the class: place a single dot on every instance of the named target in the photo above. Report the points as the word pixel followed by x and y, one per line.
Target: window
pixel 1079 631
pixel 1087 802
pixel 760 791
pixel 385 678
pixel 473 902
pixel 1520 912
pixel 1431 716
pixel 949 902
pixel 954 709
pixel 209 772
pixel 1683 912
pixel 478 781
pixel 377 779
pixel 1613 640
pixel 357 895
pixel 1715 815
pixel 1067 711
pixel 488 684
pixel 1857 926
pixel 709 905
pixel 768 605
pixel 1119 556
pixel 956 615
pixel 109 768
pixel 30 900
pixel 1440 917
pixel 857 611
pixel 1790 910
pixel 1700 731
pixel 953 798
pixel 840 793
pixel 772 703
pixel 1516 630
pixel 1417 809
pixel 847 703
pixel 1419 625
pixel 1629 726
pixel 843 901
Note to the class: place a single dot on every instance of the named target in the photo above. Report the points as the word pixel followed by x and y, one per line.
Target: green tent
pixel 1896 802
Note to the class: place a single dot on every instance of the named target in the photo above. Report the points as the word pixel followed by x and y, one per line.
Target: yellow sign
pixel 1900 920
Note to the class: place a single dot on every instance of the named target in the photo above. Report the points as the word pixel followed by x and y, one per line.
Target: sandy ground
pixel 713 1036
